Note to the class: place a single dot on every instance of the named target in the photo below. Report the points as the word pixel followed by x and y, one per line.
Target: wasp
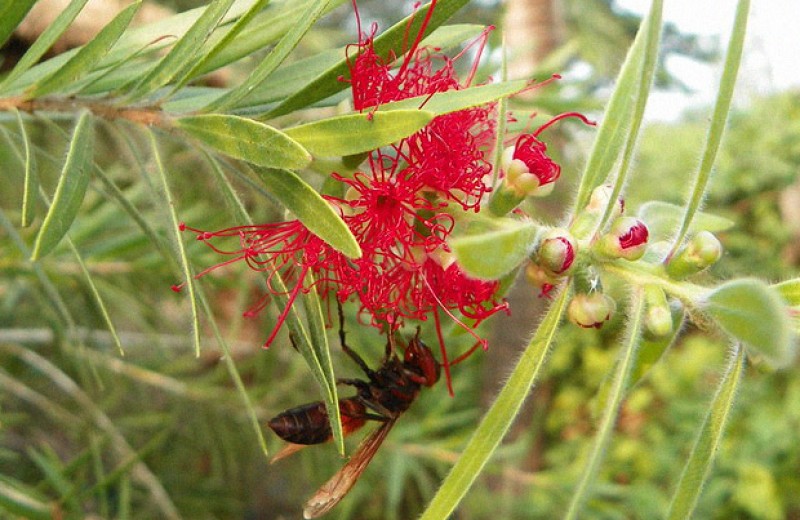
pixel 383 396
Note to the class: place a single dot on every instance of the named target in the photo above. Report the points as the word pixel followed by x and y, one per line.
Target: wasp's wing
pixel 332 492
pixel 289 449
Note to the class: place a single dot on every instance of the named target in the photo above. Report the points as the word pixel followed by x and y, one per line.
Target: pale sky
pixel 771 60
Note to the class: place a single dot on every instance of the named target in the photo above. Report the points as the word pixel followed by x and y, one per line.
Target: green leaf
pixel 789 291
pixel 753 313
pixel 619 386
pixel 245 139
pixel 101 305
pixel 283 82
pixel 44 41
pixel 11 14
pixel 70 190
pixel 663 219
pixel 498 419
pixel 310 208
pixel 394 39
pixel 611 135
pixel 455 100
pixel 228 37
pixel 650 351
pixel 497 249
pixel 652 29
pixel 273 59
pixel 31 183
pixel 23 501
pixel 183 258
pixel 180 59
pixel 718 119
pixel 88 56
pixel 708 441
pixel 266 29
pixel 316 351
pixel 356 133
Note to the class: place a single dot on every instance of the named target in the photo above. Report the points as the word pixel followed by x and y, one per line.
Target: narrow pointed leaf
pixel 319 359
pixel 283 82
pixel 70 190
pixel 311 341
pixel 619 386
pixel 455 100
pixel 87 56
pixel 327 83
pixel 11 14
pixel 268 27
pixel 310 208
pixel 31 182
pixel 180 58
pixel 495 252
pixel 718 119
pixel 101 305
pixel 183 258
pixel 273 59
pixel 708 441
pixel 652 29
pixel 755 314
pixel 356 133
pixel 498 419
pixel 228 38
pixel 663 218
pixel 615 121
pixel 44 41
pixel 245 139
pixel 21 502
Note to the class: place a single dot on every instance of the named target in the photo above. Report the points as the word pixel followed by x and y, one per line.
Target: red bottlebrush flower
pixel 448 155
pixel 396 207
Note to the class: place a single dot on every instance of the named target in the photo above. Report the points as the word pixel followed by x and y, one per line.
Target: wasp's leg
pixel 347 350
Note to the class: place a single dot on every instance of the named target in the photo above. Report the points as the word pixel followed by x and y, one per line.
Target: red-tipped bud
pixel 702 251
pixel 539 278
pixel 627 239
pixel 590 310
pixel 556 252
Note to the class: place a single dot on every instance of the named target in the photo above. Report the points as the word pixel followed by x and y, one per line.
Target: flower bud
pixel 539 278
pixel 590 310
pixel 658 316
pixel 556 252
pixel 627 239
pixel 702 251
pixel 587 220
pixel 599 200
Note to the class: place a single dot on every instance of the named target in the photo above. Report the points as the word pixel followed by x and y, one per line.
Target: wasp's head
pixel 419 358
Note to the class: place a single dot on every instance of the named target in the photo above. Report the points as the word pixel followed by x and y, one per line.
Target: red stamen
pixel 559 118
pixel 443 350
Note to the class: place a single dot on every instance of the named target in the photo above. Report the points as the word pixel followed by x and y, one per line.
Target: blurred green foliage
pixel 77 419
